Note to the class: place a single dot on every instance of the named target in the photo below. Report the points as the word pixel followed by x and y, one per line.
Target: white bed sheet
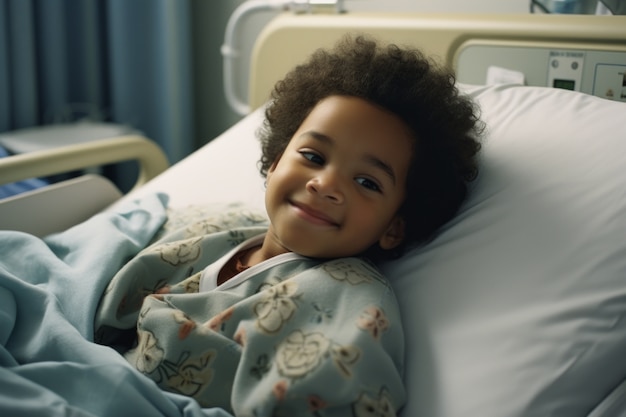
pixel 222 172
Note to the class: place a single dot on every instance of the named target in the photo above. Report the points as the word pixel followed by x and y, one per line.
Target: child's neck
pixel 239 262
pixel 254 256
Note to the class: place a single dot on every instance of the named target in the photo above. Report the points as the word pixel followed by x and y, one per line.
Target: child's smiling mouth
pixel 313 216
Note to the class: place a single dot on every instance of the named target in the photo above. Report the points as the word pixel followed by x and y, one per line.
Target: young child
pixel 367 150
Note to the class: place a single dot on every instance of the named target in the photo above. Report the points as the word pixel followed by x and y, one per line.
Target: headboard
pixel 290 38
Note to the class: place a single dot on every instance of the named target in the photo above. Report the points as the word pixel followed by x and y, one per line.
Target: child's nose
pixel 328 185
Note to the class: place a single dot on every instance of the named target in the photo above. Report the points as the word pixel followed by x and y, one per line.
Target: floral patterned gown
pixel 301 337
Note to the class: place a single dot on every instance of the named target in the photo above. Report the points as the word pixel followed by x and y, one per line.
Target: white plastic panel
pixel 596 69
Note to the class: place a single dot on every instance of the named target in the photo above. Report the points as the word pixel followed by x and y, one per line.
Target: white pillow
pixel 517 307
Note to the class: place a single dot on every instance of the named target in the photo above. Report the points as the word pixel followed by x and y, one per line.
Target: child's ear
pixel 394 235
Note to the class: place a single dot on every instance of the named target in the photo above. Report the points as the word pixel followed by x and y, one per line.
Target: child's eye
pixel 313 157
pixel 369 184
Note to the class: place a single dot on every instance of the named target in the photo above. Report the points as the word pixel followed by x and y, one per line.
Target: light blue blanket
pixel 49 292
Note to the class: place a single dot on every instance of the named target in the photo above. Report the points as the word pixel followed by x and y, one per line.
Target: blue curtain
pixel 127 60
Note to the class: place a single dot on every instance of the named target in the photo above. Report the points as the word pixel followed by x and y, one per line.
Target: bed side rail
pixel 151 159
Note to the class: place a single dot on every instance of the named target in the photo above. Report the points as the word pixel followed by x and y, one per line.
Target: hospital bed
pixel 518 307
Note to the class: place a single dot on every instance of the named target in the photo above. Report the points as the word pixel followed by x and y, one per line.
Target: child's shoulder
pixel 354 270
pixel 198 220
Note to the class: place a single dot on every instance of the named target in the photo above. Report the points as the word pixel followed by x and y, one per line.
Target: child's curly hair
pixel 444 123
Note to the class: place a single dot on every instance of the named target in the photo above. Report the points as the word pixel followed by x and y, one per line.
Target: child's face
pixel 336 189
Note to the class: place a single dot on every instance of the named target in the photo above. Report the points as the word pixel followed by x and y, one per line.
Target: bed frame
pixel 442 36
pixel 23 212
